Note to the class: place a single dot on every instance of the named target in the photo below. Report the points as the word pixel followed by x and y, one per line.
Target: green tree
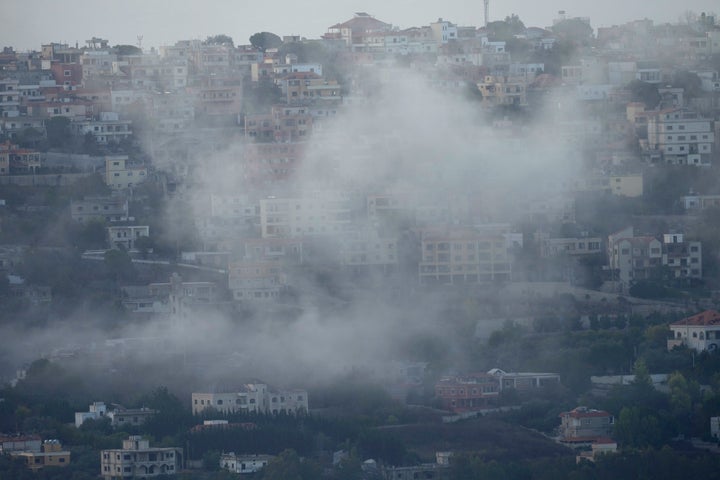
pixel 220 39
pixel 119 265
pixel 574 30
pixel 289 466
pixel 29 137
pixel 642 375
pixel 124 50
pixel 638 427
pixel 504 30
pixel 265 40
pixel 690 82
pixel 58 131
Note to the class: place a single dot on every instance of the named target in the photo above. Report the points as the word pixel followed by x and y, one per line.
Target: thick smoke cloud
pixel 408 136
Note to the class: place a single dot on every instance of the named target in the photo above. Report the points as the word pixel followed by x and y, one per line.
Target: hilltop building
pixel 253 397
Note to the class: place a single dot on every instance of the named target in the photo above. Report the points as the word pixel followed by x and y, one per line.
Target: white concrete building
pixel 443 31
pixel 465 255
pixel 109 209
pixel 700 332
pixel 106 129
pixel 523 381
pixel 97 410
pixel 244 463
pixel 251 281
pixel 120 174
pixel 138 460
pixel 254 397
pixel 125 236
pixel 317 213
pixel 553 247
pixel 682 136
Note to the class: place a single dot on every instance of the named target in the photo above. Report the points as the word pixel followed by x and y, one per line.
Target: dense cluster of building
pixel 634 97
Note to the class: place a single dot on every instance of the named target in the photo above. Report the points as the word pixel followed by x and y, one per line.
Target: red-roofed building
pixel 354 30
pixel 585 425
pixel 699 332
pixel 467 393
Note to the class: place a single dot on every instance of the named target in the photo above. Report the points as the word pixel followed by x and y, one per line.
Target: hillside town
pixel 443 251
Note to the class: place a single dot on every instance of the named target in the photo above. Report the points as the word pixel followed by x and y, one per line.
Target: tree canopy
pixel 574 30
pixel 220 39
pixel 504 30
pixel 127 50
pixel 265 40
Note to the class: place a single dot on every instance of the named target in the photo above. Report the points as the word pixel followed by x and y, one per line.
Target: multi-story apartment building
pixel 108 128
pixel 16 160
pixel 467 392
pixel 682 257
pixel 502 90
pixel 282 124
pixel 443 31
pixel 120 174
pixel 218 97
pixel 681 136
pixel 254 397
pixel 125 236
pixel 466 255
pixel 353 31
pixel 583 424
pixel 285 251
pixel 138 460
pixel 270 162
pixel 318 213
pixel 256 281
pixel 9 98
pixel 108 209
pixel 633 258
pixel 308 87
pixel 552 247
pixel 364 248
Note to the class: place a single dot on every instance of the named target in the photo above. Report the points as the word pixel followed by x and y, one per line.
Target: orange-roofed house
pixel 699 332
pixel 585 425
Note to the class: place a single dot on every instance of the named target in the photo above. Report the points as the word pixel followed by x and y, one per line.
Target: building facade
pixel 701 332
pixel 468 392
pixel 583 424
pixel 252 398
pixel 138 460
pixel 243 463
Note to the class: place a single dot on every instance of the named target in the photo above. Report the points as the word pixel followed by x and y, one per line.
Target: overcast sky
pixel 29 23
